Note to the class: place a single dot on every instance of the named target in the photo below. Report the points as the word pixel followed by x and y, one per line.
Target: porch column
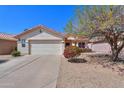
pixel 77 44
pixel 73 44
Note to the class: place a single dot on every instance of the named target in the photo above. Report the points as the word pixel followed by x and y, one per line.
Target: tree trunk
pixel 115 48
pixel 115 54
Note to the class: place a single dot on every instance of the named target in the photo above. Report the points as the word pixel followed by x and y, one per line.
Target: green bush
pixel 15 53
pixel 15 49
pixel 71 52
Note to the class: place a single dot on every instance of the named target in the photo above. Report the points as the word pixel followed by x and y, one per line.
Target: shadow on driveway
pixel 3 61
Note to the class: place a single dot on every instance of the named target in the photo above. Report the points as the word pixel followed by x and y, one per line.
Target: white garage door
pixel 46 47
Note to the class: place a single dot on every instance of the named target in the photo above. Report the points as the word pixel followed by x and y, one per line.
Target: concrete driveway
pixel 30 72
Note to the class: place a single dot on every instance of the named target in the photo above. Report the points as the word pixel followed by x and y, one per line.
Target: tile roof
pixel 7 37
pixel 76 37
pixel 39 27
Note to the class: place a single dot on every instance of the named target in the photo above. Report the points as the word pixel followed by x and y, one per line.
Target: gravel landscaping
pixel 97 72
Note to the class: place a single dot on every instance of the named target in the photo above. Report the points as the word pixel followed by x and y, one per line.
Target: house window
pixel 19 39
pixel 23 43
pixel 81 45
pixel 40 31
pixel 67 44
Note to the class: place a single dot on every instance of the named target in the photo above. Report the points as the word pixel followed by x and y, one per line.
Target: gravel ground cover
pixel 97 72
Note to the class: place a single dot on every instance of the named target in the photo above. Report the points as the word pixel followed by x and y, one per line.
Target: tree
pixel 77 25
pixel 104 21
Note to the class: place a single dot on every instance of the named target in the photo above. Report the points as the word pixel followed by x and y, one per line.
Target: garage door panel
pixel 46 48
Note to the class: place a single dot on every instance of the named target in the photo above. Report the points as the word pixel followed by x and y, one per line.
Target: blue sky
pixel 14 19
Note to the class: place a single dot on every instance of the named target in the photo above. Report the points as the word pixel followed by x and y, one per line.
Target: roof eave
pixel 8 39
pixel 39 27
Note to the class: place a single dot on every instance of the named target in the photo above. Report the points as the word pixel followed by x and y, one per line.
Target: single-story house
pixel 45 41
pixel 7 44
pixel 40 40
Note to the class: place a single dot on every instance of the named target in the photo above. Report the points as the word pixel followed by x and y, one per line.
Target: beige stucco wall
pixel 24 50
pixel 36 36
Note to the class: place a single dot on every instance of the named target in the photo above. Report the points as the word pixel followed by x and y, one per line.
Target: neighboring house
pixel 75 40
pixel 40 40
pixel 98 44
pixel 7 44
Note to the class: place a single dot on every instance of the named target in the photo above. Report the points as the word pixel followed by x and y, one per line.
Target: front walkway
pixel 30 71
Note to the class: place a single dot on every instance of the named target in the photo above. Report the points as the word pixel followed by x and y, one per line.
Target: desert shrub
pixel 72 52
pixel 15 53
pixel 86 50
pixel 15 49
